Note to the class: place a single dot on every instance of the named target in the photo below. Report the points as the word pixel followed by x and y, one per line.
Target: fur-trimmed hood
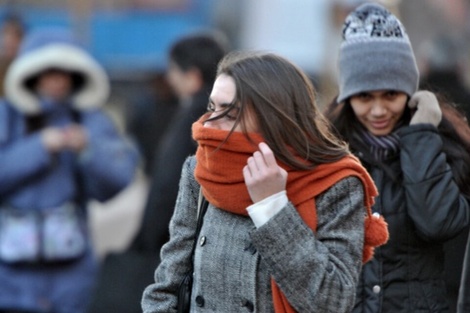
pixel 54 48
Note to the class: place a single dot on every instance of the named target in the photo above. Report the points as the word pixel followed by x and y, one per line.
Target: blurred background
pixel 131 39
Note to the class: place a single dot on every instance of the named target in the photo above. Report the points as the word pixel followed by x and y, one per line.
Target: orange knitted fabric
pixel 219 172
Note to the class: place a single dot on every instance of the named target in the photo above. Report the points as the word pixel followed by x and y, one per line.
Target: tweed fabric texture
pixel 235 261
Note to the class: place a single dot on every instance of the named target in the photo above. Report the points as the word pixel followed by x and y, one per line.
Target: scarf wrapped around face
pixel 219 172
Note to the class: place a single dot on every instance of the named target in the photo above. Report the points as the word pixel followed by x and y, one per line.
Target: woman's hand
pixel 73 138
pixel 76 138
pixel 427 108
pixel 53 139
pixel 263 177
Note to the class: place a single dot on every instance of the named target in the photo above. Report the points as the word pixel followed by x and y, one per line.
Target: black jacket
pixel 423 207
pixel 463 305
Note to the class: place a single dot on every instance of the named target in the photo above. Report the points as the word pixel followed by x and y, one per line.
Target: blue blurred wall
pixel 125 41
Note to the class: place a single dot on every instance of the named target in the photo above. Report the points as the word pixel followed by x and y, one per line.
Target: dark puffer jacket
pixel 463 305
pixel 423 206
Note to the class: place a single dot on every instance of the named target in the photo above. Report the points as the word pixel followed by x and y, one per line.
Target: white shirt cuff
pixel 263 211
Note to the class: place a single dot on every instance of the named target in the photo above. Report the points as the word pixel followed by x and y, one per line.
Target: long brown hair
pixel 283 100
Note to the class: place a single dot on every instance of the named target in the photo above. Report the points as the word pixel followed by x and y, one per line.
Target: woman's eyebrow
pixel 223 105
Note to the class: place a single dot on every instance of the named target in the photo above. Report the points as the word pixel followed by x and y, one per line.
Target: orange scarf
pixel 219 172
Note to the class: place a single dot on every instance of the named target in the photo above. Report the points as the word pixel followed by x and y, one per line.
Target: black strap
pixel 200 217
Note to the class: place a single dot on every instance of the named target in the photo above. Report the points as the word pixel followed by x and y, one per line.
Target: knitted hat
pixel 375 54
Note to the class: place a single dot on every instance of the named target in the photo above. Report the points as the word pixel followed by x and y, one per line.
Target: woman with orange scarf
pixel 289 220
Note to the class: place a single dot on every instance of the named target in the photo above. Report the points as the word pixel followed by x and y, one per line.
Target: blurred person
pixel 58 150
pixel 443 63
pixel 192 64
pixel 12 32
pixel 285 227
pixel 149 109
pixel 417 150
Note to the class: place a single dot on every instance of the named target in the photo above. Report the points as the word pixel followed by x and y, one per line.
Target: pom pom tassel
pixel 376 234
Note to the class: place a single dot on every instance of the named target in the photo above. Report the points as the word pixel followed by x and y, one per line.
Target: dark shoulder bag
pixel 186 285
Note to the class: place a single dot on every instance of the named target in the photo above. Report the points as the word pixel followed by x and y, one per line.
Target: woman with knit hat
pixel 288 223
pixel 417 150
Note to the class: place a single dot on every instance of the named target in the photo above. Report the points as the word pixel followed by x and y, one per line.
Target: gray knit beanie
pixel 375 54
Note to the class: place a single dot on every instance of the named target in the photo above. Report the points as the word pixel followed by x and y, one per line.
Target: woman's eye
pixel 363 96
pixel 225 111
pixel 210 107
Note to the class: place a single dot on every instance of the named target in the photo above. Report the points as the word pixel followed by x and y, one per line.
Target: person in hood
pixel 417 150
pixel 58 150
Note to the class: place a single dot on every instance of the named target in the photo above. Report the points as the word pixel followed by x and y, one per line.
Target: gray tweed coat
pixel 234 261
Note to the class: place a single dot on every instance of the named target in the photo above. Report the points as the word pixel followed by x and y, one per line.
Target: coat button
pixel 329 268
pixel 376 289
pixel 249 305
pixel 202 241
pixel 199 301
pixel 250 248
